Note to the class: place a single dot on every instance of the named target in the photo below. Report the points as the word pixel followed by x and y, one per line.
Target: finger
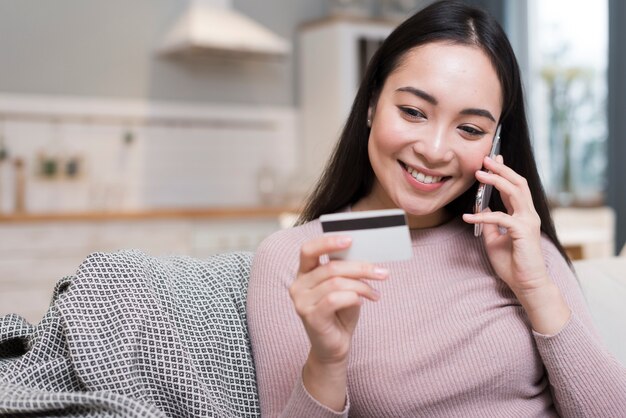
pixel 506 189
pixel 499 219
pixel 340 284
pixel 514 199
pixel 307 302
pixel 343 268
pixel 506 172
pixel 488 229
pixel 311 251
pixel 318 316
pixel 516 226
pixel 491 232
pixel 337 301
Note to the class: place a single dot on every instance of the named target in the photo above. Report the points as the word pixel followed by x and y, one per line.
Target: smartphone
pixel 484 190
pixel 377 235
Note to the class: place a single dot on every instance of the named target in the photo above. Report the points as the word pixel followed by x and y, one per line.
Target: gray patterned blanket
pixel 135 336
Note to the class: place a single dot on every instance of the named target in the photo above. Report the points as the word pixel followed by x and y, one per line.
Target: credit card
pixel 377 235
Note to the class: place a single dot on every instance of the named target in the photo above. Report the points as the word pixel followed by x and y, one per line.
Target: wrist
pixel 326 381
pixel 546 308
pixel 335 370
pixel 536 293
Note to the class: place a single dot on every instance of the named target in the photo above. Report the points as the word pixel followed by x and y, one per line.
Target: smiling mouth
pixel 421 177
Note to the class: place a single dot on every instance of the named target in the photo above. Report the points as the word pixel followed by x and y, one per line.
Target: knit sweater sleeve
pixel 279 342
pixel 586 380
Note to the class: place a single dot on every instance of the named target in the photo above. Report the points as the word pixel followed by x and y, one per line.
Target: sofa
pixel 130 335
pixel 603 282
pixel 135 336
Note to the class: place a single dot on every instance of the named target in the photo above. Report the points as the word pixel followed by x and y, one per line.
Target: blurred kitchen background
pixel 197 126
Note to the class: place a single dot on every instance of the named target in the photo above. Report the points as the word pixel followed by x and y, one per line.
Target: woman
pixel 490 326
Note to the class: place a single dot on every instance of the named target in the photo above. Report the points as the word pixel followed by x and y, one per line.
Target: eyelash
pixel 413 113
pixel 472 131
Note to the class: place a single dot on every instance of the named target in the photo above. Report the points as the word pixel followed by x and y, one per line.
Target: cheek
pixel 381 145
pixel 472 160
pixel 389 138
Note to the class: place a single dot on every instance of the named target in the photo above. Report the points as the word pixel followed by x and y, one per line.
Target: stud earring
pixel 369 123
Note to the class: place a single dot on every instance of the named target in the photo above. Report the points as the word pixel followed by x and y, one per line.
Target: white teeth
pixel 423 178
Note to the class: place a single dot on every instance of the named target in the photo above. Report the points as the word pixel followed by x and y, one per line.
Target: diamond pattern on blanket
pixel 136 336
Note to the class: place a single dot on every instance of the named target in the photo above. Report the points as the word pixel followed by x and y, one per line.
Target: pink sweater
pixel 447 339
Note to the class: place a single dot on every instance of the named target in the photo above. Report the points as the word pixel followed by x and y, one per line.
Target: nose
pixel 434 146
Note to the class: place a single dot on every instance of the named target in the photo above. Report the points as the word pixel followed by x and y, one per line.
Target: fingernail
pixel 381 272
pixel 376 294
pixel 344 241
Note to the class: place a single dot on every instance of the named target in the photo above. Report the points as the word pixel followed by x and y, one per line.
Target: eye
pixel 411 112
pixel 472 131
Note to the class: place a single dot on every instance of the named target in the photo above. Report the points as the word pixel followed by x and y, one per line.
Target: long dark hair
pixel 348 176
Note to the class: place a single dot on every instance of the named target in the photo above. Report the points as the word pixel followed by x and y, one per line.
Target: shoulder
pixel 560 271
pixel 282 248
pixel 286 239
pixel 565 278
pixel 553 258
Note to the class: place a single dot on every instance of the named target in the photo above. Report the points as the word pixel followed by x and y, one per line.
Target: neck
pixel 430 220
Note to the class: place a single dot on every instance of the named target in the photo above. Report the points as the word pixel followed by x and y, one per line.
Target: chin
pixel 417 209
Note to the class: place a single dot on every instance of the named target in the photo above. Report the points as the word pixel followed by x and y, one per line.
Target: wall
pixel 107 49
pixel 179 155
pixel 86 53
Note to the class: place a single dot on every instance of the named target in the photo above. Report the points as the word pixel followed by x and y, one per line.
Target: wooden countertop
pixel 216 213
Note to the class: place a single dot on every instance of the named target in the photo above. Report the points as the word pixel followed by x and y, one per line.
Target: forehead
pixel 440 66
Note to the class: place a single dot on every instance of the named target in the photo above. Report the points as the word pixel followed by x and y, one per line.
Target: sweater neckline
pixel 426 236
pixel 447 230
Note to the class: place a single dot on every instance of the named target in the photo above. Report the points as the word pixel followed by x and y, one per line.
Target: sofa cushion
pixel 603 282
pixel 132 335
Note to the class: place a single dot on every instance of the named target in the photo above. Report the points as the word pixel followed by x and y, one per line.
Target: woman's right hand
pixel 327 297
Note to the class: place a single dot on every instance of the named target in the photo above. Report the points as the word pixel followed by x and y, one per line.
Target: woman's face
pixel 433 123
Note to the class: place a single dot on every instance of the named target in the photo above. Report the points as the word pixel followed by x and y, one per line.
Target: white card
pixel 377 235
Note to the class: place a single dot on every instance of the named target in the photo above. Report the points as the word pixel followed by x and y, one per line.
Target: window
pixel 567 95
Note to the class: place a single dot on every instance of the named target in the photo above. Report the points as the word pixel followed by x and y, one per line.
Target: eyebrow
pixel 478 112
pixel 432 100
pixel 419 93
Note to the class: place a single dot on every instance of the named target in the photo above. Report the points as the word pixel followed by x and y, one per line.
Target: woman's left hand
pixel 516 255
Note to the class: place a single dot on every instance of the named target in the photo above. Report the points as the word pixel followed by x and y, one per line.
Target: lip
pixel 423 186
pixel 422 170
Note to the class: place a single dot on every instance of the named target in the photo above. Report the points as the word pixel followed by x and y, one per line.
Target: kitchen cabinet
pixel 586 232
pixel 38 250
pixel 333 55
